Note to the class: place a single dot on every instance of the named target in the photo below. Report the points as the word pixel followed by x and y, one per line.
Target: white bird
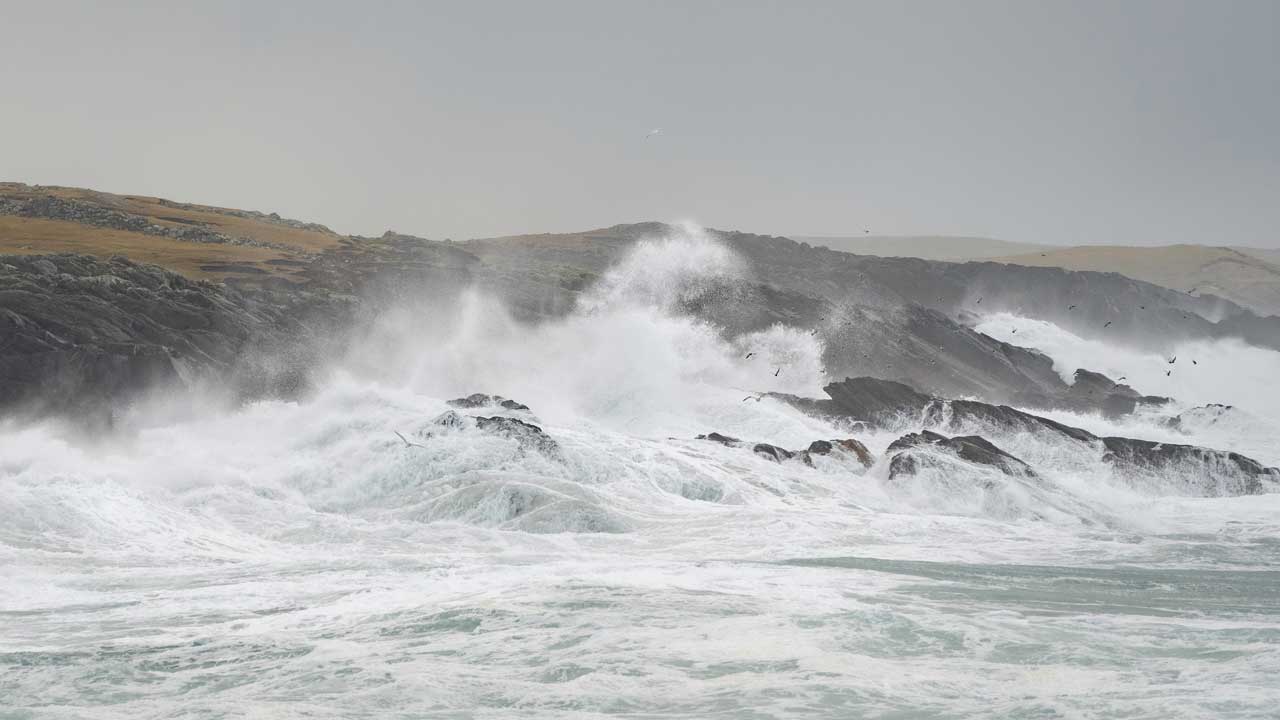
pixel 651 133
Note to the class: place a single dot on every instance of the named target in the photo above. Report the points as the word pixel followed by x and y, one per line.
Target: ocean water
pixel 298 559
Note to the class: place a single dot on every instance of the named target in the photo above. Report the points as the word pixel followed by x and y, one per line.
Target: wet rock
pixel 451 419
pixel 848 445
pixel 530 436
pixel 722 439
pixel 1205 472
pixel 79 334
pixel 1183 469
pixel 480 400
pixel 970 448
pixel 1095 391
pixel 773 452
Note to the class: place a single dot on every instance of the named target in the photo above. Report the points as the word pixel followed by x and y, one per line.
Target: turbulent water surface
pixel 299 559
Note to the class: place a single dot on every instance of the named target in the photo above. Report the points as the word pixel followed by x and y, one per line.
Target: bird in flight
pixel 1122 377
pixel 752 397
pixel 651 133
pixel 1168 373
pixel 1071 307
pixel 979 301
pixel 748 357
pixel 1108 324
pixel 1173 359
pixel 1193 362
pixel 775 372
pixel 1015 331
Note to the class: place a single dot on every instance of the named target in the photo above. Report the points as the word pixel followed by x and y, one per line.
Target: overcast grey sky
pixel 1099 122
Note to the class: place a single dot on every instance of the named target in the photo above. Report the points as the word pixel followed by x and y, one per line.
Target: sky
pixel 1085 122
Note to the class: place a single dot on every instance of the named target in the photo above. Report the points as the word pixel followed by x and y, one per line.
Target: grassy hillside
pixel 1243 278
pixel 199 241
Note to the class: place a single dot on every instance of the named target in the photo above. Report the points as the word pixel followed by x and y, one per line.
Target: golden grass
pixel 30 236
pixel 158 210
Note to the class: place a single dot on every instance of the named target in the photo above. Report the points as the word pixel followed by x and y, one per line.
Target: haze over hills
pixel 1247 276
pixel 1240 275
pixel 927 247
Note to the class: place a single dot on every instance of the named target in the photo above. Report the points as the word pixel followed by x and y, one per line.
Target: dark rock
pixel 1211 472
pixel 722 439
pixel 78 334
pixel 1198 471
pixel 970 448
pixel 530 436
pixel 849 445
pixel 772 452
pixel 480 400
pixel 1095 391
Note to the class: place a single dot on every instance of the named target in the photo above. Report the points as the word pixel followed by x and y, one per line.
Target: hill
pixel 199 241
pixel 927 247
pixel 1243 278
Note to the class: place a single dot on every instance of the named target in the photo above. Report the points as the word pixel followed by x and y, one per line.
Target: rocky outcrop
pixel 1095 391
pixel 837 448
pixel 78 333
pixel 480 400
pixel 847 445
pixel 969 448
pixel 1213 472
pixel 1180 468
pixel 529 436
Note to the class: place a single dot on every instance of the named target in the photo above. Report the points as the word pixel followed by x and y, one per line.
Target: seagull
pixel 1193 362
pixel 748 357
pixel 1168 373
pixel 1071 307
pixel 752 397
pixel 1173 359
pixel 651 133
pixel 405 440
pixel 866 232
pixel 1108 324
pixel 1142 307
pixel 775 372
pixel 1015 331
pixel 1123 377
